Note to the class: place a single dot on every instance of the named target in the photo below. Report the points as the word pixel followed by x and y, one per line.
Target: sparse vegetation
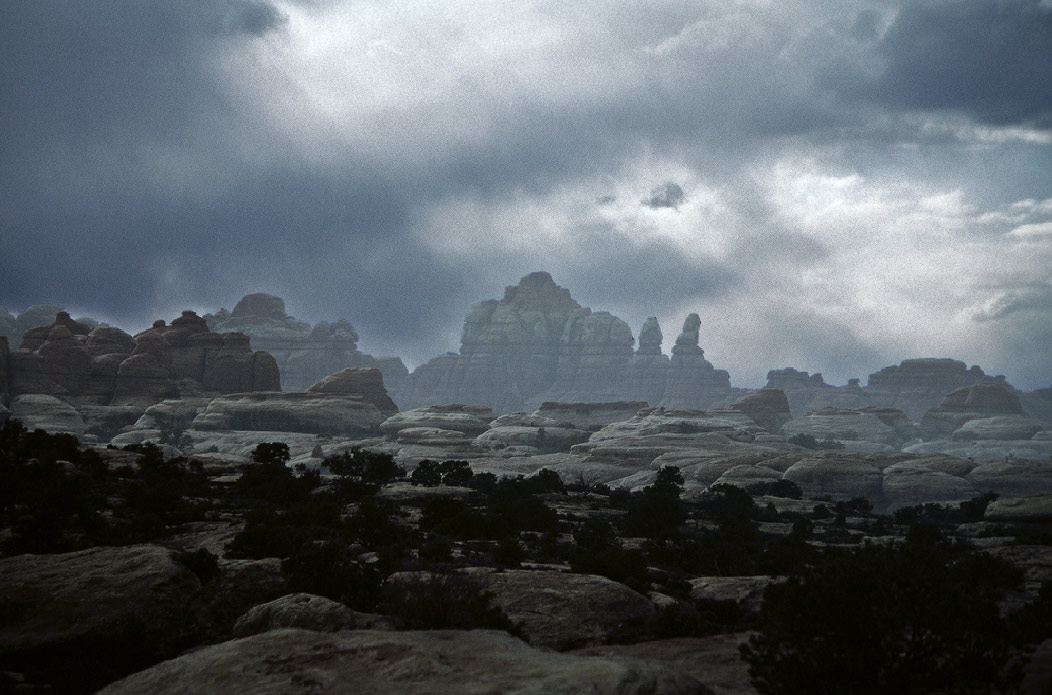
pixel 335 536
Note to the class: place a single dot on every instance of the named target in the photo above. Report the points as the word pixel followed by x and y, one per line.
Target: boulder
pixel 840 475
pixel 745 591
pixel 424 662
pixel 565 611
pixel 365 383
pixel 1036 508
pixel 1013 478
pixel 911 483
pixel 769 408
pixel 112 608
pixel 305 611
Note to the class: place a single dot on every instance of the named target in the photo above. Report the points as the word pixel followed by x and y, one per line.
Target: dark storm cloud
pixel 667 195
pixel 161 156
pixel 989 58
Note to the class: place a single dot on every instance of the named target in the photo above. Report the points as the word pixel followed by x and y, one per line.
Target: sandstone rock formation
pixel 858 429
pixel 974 402
pixel 365 382
pixel 537 344
pixel 422 662
pixel 105 366
pixel 297 411
pixel 769 408
pixel 590 416
pixel 40 411
pixel 304 353
pixel 14 327
pixel 529 434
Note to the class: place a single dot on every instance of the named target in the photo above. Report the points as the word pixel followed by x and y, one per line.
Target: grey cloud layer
pixel 164 155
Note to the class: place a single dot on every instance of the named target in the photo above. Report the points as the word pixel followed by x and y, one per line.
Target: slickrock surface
pixel 364 662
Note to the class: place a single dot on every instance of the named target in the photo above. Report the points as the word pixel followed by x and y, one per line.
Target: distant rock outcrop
pixel 974 402
pixel 914 387
pixel 537 344
pixel 304 353
pixel 106 366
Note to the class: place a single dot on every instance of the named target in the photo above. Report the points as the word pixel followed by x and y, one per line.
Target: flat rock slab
pixel 95 593
pixel 564 611
pixel 364 662
pixel 714 661
pixel 1037 508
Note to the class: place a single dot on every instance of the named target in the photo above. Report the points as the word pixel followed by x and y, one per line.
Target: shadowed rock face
pixel 304 353
pixel 106 366
pixel 537 344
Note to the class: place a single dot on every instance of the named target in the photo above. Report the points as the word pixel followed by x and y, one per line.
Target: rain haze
pixel 833 186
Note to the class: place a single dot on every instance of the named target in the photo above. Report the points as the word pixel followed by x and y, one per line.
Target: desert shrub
pixel 426 474
pixel 455 472
pixel 777 488
pixel 547 480
pixel 326 570
pixel 856 506
pixel 975 509
pixel 268 534
pixel 910 619
pixel 444 601
pixel 271 452
pixel 597 550
pixel 367 466
pixel 728 504
pixel 703 617
pixel 201 562
pixel 509 552
pixel 270 480
pixel 657 513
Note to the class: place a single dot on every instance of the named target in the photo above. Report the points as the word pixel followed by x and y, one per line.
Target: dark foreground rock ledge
pixel 362 662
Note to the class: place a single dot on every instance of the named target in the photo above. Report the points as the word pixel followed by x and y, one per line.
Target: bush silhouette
pixel 914 619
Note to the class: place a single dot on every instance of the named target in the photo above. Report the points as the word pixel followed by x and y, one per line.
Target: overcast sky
pixel 832 185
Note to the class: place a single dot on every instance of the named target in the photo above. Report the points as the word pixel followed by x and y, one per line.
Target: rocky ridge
pixel 304 353
pixel 105 366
